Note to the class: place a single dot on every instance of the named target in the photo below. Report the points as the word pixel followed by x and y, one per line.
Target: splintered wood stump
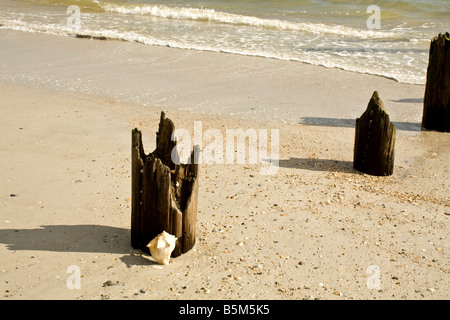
pixel 163 194
pixel 436 106
pixel 374 140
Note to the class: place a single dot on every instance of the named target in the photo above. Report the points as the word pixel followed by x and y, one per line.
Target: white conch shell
pixel 161 247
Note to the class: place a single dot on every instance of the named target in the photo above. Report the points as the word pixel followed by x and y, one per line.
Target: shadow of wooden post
pixel 164 195
pixel 374 140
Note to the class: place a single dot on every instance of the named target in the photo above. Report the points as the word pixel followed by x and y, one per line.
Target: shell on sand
pixel 161 247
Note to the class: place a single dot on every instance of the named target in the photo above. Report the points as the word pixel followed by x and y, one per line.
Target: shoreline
pixel 309 232
pixel 104 38
pixel 202 82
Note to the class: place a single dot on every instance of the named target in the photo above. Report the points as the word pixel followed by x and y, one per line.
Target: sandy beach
pixel 311 231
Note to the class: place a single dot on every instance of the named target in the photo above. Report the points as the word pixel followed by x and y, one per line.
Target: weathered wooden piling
pixel 436 105
pixel 163 194
pixel 374 140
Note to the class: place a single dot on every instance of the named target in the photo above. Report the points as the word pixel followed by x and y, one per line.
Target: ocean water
pixel 331 33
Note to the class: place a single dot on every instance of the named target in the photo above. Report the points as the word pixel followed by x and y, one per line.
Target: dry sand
pixel 310 231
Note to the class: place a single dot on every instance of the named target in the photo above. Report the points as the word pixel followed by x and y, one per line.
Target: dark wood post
pixel 163 193
pixel 436 106
pixel 374 140
pixel 137 164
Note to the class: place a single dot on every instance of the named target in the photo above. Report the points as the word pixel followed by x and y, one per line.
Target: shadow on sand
pixel 419 100
pixel 350 123
pixel 74 238
pixel 319 165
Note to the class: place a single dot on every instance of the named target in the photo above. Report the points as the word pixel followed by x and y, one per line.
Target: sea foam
pixel 196 14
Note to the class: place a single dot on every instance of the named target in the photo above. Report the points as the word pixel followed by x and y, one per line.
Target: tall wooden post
pixel 374 140
pixel 137 165
pixel 163 194
pixel 436 106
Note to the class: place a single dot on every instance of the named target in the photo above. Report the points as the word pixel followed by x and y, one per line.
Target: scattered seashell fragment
pixel 161 247
pixel 157 267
